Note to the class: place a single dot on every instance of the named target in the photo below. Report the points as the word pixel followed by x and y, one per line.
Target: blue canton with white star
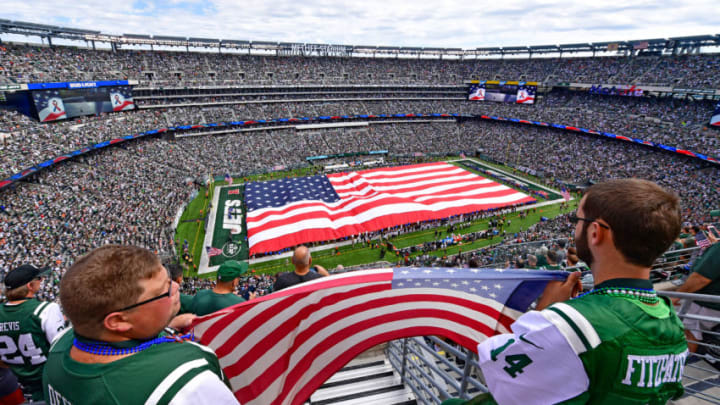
pixel 516 288
pixel 277 193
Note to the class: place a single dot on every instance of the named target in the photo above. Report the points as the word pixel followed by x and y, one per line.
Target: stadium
pixel 205 151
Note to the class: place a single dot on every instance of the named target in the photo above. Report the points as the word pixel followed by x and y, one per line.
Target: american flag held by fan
pixel 279 348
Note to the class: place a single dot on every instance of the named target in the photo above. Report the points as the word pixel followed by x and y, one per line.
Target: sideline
pixel 204 268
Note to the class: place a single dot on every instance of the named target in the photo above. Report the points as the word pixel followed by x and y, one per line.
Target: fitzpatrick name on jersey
pixel 653 371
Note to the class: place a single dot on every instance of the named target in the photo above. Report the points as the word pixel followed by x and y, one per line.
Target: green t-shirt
pixel 24 341
pixel 708 265
pixel 207 301
pixel 185 304
pixel 160 374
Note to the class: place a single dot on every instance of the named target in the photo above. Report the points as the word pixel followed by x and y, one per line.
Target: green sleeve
pixel 708 265
pixel 482 399
pixel 185 304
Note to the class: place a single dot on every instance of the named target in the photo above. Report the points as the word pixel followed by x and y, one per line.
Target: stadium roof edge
pixel 168 38
pixel 137 36
pixel 235 41
pixel 580 45
pixel 606 43
pixel 542 47
pixel 654 44
pixel 205 40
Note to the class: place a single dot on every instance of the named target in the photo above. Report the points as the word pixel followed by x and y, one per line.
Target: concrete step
pixel 366 380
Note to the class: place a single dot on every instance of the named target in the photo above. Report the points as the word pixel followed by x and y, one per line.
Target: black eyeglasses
pixel 161 296
pixel 574 219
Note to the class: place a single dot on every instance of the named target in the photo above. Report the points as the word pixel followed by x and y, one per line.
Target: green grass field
pixel 192 229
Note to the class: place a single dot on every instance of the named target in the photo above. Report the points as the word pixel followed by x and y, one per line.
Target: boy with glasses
pixel 119 299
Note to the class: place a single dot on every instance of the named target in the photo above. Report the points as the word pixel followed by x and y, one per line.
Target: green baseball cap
pixel 231 269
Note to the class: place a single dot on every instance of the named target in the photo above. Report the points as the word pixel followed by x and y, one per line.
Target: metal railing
pixel 702 368
pixel 436 370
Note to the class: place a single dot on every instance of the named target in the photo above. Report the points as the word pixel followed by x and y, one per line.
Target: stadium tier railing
pixel 436 370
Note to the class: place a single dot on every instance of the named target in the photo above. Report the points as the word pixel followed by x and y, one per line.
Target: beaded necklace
pixel 647 296
pixel 126 347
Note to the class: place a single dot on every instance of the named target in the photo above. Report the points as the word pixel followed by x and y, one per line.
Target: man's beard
pixel 583 250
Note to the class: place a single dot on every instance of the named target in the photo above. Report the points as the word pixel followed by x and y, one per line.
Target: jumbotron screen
pixel 58 104
pixel 503 92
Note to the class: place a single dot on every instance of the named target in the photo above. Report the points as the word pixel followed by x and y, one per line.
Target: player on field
pixel 27 327
pixel 119 299
pixel 619 343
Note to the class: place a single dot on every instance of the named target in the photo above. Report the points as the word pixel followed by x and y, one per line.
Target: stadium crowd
pixel 671 122
pixel 127 195
pixel 34 63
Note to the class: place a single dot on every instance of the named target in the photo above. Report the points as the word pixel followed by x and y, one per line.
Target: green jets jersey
pixel 177 372
pixel 26 330
pixel 596 349
pixel 208 301
pixel 639 354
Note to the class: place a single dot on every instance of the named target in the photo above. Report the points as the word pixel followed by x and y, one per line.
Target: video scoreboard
pixel 503 91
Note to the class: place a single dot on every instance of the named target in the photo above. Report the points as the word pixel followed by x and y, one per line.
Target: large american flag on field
pixel 279 348
pixel 293 211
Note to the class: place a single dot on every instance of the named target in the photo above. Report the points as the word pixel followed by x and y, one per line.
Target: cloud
pixel 447 23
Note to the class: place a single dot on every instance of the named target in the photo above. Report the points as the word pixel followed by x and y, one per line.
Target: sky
pixel 448 24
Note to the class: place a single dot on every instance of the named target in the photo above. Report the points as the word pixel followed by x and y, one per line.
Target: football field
pixel 227 233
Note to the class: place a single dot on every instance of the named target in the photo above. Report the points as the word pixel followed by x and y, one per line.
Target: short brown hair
pixel 644 217
pixel 102 281
pixel 17 293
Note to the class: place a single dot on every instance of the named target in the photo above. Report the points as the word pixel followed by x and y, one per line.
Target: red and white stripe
pixel 278 349
pixel 376 199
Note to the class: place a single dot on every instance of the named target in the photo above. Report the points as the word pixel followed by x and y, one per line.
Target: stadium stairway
pixel 367 379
